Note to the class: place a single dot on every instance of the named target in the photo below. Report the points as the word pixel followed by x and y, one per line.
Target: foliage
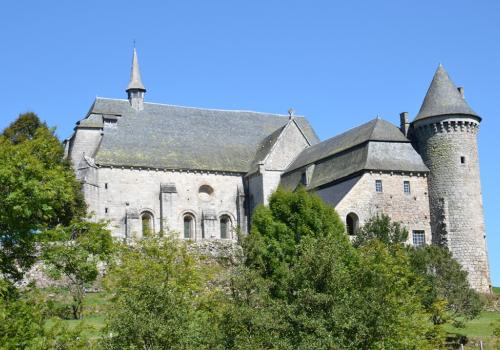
pixel 381 227
pixel 22 324
pixel 309 288
pixel 277 230
pixel 445 290
pixel 161 300
pixel 445 280
pixel 74 252
pixel 23 128
pixel 38 190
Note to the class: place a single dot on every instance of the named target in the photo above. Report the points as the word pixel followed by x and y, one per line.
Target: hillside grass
pixel 94 313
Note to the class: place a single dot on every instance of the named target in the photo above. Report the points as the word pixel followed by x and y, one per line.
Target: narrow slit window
pixel 106 186
pixel 462 159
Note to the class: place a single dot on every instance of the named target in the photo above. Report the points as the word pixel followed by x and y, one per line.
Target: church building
pixel 149 168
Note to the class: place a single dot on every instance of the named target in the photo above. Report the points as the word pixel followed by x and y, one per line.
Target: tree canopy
pixel 38 190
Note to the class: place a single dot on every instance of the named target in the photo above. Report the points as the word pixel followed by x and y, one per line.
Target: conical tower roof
pixel 135 75
pixel 443 98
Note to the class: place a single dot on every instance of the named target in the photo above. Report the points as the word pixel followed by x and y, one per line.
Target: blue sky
pixel 340 63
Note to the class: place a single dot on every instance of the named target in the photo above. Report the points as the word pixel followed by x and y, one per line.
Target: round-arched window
pixel 205 192
pixel 188 226
pixel 225 227
pixel 352 223
pixel 147 224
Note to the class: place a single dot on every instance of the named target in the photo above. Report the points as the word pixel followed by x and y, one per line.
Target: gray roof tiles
pixel 377 145
pixel 174 137
pixel 374 130
pixel 443 98
pixel 135 75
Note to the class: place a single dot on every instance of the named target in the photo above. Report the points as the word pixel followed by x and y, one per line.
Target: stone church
pixel 148 168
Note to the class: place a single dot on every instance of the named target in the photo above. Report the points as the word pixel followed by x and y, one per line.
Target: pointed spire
pixel 135 75
pixel 443 98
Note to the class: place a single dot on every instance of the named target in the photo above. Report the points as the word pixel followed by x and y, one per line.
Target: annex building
pixel 149 168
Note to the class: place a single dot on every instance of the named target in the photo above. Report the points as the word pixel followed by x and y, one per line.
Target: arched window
pixel 352 223
pixel 188 226
pixel 147 224
pixel 225 227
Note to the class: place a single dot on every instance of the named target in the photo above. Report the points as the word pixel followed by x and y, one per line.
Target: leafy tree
pixel 445 280
pixel 161 300
pixel 38 190
pixel 23 325
pixel 23 128
pixel 321 292
pixel 445 290
pixel 382 228
pixel 75 252
pixel 272 247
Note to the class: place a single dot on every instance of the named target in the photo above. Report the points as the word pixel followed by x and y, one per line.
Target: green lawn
pixel 478 328
pixel 94 314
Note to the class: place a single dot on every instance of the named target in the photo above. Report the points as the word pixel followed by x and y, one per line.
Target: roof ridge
pixel 203 108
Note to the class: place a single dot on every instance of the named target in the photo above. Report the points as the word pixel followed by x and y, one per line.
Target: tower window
pixel 225 226
pixel 188 226
pixel 406 187
pixel 105 210
pixel 418 238
pixel 106 186
pixel 378 186
pixel 462 159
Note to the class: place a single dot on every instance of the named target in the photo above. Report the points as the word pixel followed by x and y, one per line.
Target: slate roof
pixel 377 145
pixel 174 137
pixel 443 98
pixel 374 130
pixel 135 75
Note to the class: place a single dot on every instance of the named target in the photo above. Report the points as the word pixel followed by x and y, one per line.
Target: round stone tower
pixel 445 134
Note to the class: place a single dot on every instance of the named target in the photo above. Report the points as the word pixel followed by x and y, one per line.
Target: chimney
pixel 461 91
pixel 403 122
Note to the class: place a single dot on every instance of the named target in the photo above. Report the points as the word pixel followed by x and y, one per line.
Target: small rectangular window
pixel 406 187
pixel 378 186
pixel 462 160
pixel 105 210
pixel 418 238
pixel 106 186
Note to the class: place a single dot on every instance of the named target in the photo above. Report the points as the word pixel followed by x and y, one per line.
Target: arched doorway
pixel 225 227
pixel 352 224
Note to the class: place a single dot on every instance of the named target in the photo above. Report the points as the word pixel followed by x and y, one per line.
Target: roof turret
pixel 135 75
pixel 443 98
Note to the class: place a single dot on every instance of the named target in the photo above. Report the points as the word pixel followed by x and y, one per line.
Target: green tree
pixel 161 300
pixel 382 228
pixel 38 190
pixel 272 246
pixel 319 290
pixel 23 325
pixel 445 290
pixel 75 252
pixel 445 280
pixel 23 128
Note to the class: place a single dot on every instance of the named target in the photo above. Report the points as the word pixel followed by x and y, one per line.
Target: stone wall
pixel 412 210
pixel 124 194
pixel 448 146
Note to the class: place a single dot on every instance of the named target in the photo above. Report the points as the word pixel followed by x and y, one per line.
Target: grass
pixel 94 314
pixel 481 327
